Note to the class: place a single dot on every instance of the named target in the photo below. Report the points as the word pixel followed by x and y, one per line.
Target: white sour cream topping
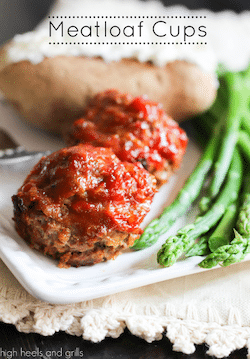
pixel 227 39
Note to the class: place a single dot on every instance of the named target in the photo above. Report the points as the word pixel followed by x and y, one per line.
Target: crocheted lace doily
pixel 210 307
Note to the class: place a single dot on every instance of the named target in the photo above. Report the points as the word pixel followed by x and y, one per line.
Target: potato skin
pixel 52 94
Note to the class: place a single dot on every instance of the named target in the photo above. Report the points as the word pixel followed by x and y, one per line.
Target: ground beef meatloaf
pixel 135 128
pixel 82 205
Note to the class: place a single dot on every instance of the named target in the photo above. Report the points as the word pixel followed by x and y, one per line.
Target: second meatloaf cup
pixel 136 129
pixel 82 205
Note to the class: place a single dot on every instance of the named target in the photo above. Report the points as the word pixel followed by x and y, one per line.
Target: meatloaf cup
pixel 136 129
pixel 82 205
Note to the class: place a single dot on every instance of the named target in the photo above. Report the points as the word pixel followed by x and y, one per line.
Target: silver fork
pixel 12 154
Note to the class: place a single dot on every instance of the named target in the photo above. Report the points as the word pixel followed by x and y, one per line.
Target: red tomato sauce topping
pixel 135 128
pixel 89 190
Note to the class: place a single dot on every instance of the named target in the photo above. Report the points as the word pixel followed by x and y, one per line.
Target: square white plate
pixel 43 279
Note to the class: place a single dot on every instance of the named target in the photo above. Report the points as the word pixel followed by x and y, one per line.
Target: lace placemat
pixel 211 307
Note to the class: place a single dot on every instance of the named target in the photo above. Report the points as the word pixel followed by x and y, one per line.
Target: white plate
pixel 40 275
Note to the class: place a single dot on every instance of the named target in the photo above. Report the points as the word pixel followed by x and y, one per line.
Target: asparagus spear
pixel 200 248
pixel 231 133
pixel 186 196
pixel 244 144
pixel 222 234
pixel 243 222
pixel 233 82
pixel 176 245
pixel 228 254
pixel 240 245
pixel 243 141
pixel 245 122
pixel 219 108
pixel 246 113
